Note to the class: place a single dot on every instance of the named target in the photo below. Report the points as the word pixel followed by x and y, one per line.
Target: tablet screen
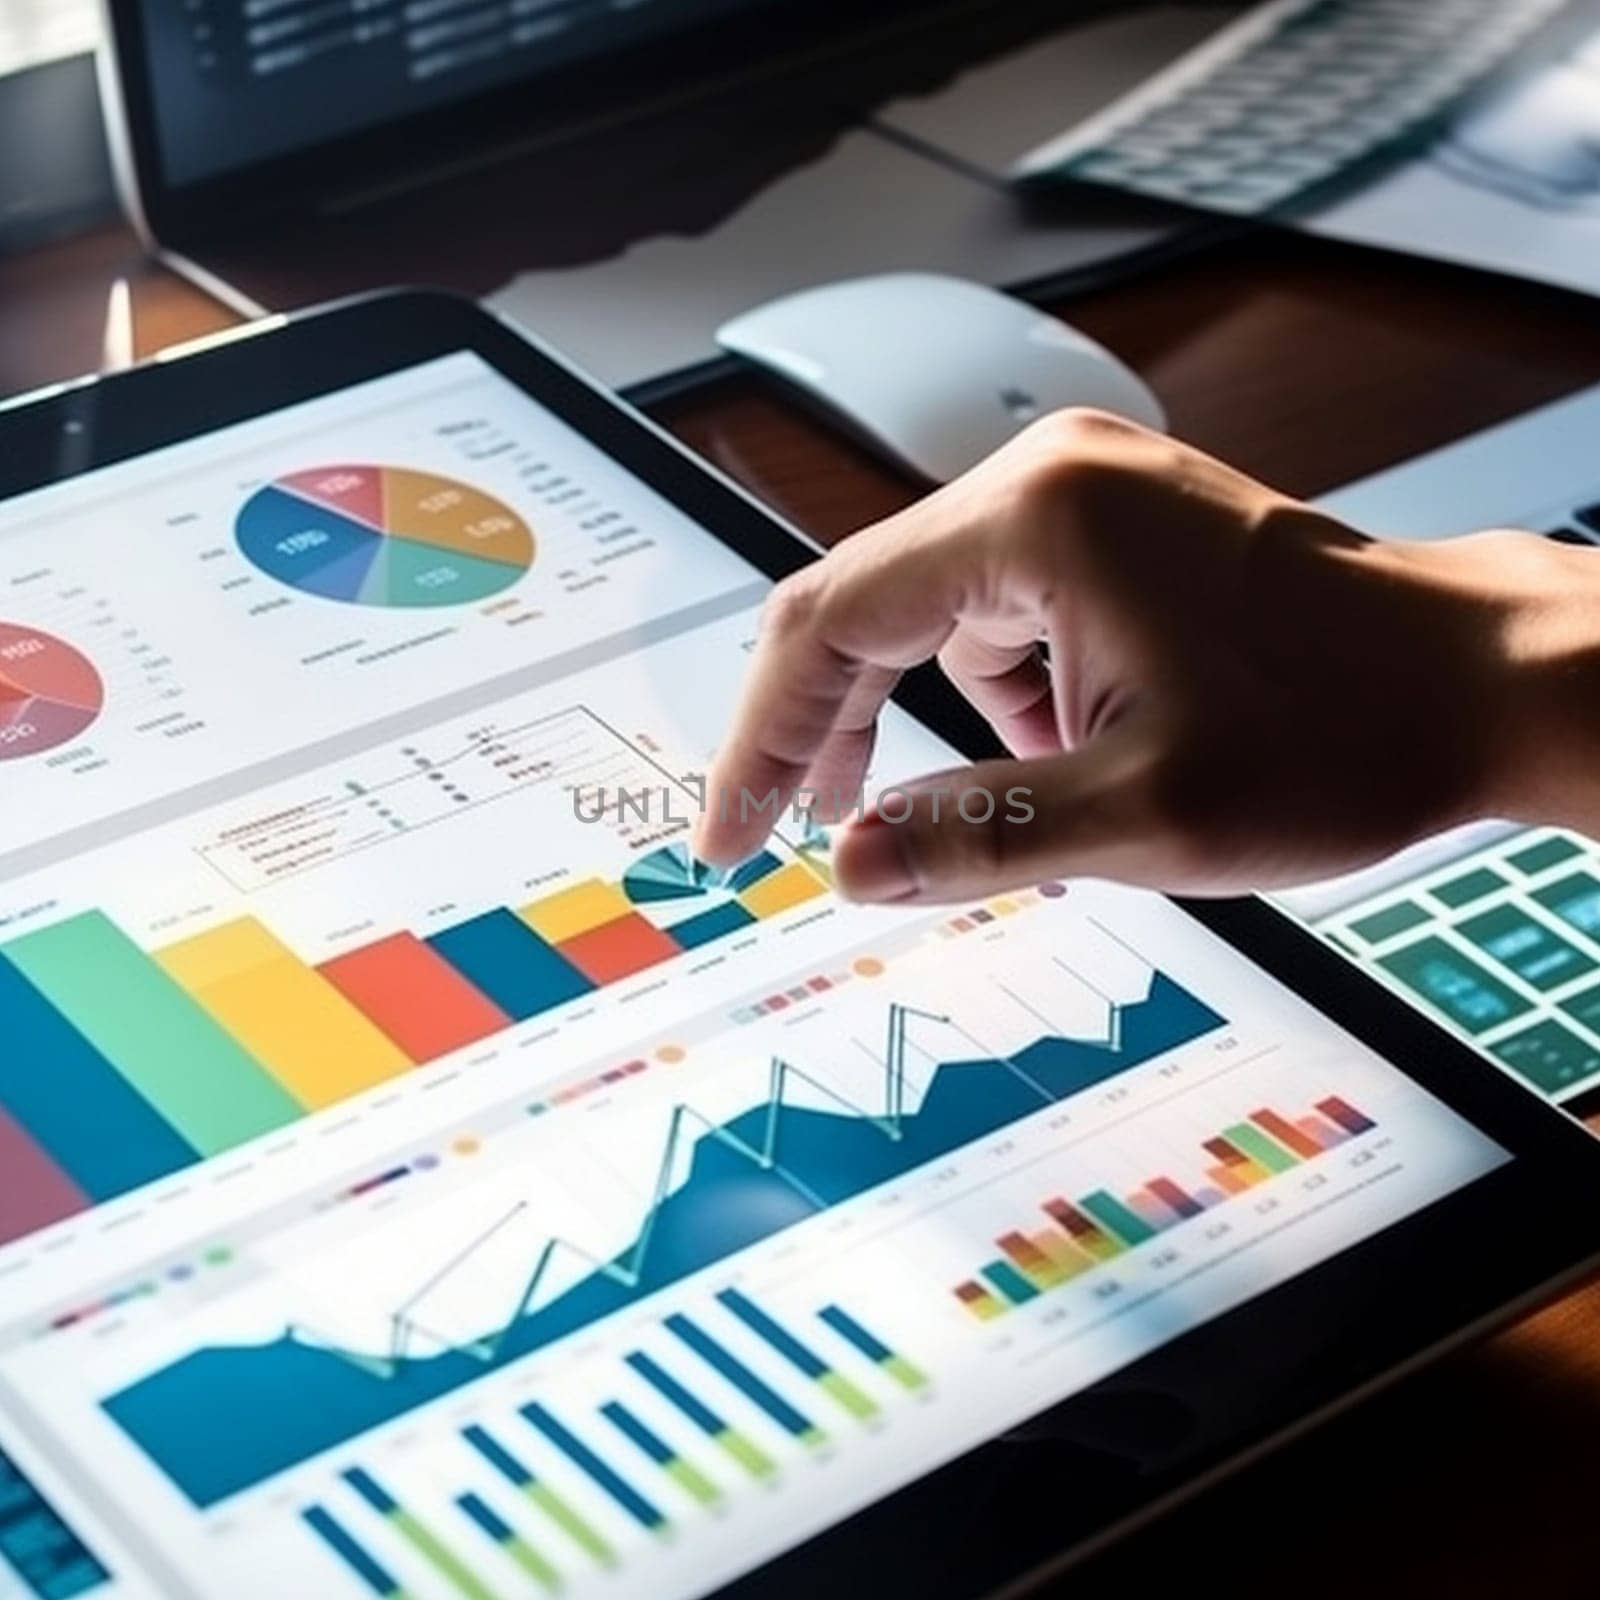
pixel 420 1176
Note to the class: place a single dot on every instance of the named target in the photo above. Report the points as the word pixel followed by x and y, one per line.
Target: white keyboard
pixel 1291 96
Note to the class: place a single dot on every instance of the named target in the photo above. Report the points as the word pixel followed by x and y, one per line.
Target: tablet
pixel 419 1176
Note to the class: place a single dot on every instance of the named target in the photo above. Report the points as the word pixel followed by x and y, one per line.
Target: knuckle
pixel 792 607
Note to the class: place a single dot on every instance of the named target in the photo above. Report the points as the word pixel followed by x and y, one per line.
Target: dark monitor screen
pixel 240 82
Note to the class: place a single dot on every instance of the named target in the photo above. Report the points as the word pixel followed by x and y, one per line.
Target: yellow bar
pixel 289 1017
pixel 584 906
pixel 1004 908
pixel 1067 1257
pixel 790 886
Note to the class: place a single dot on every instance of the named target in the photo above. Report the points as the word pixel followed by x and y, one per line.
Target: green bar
pixel 1377 926
pixel 533 1564
pixel 903 1373
pixel 1111 1213
pixel 1010 1282
pixel 170 1050
pixel 751 1457
pixel 1463 989
pixel 860 1405
pixel 1549 1056
pixel 570 1523
pixel 1546 853
pixel 1470 886
pixel 693 1481
pixel 440 1556
pixel 813 1438
pixel 1259 1147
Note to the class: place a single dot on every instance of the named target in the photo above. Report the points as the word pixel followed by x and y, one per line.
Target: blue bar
pixel 498 1456
pixel 1010 1282
pixel 781 1340
pixel 741 1377
pixel 509 962
pixel 701 1415
pixel 631 1427
pixel 74 1104
pixel 376 1578
pixel 852 1332
pixel 487 1518
pixel 580 1455
pixel 752 871
pixel 372 1492
pixel 711 925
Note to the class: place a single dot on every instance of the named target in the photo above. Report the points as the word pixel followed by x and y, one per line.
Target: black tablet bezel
pixel 1168 1422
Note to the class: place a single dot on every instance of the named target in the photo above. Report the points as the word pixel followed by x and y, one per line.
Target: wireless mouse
pixel 936 372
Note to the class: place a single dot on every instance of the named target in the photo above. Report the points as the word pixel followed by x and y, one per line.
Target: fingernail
pixel 870 863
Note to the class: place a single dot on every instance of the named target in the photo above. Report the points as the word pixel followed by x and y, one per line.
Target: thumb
pixel 997 825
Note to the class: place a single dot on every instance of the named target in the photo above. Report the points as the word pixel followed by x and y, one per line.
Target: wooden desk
pixel 1308 364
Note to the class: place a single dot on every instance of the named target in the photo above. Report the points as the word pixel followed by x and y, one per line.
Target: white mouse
pixel 936 371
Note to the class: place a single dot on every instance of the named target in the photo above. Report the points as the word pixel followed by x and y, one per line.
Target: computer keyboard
pixel 1290 97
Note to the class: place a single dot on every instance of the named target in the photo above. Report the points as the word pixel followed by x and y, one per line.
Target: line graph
pixel 219 1420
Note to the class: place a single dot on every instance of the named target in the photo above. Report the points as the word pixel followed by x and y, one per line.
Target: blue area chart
pixel 384 536
pixel 219 1421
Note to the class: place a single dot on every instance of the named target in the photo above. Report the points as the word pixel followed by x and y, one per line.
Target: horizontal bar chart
pixel 1099 1225
pixel 160 1059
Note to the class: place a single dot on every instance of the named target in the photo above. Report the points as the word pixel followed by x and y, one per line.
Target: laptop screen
pixel 241 82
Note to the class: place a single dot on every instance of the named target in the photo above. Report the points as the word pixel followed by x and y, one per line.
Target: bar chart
pixel 554 1490
pixel 785 1159
pixel 1071 1238
pixel 167 1057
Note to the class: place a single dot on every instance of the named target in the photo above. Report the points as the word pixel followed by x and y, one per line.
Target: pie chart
pixel 49 692
pixel 384 536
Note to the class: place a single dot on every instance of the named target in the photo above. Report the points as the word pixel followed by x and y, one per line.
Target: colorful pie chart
pixel 49 692
pixel 384 536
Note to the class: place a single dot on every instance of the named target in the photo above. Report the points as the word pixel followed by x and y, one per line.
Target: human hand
pixel 1237 692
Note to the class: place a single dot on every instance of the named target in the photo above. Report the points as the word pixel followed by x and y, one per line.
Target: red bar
pixel 415 996
pixel 1224 1151
pixel 619 948
pixel 1070 1218
pixel 968 1293
pixel 1286 1133
pixel 1024 1253
pixel 1345 1114
pixel 1169 1194
pixel 34 1191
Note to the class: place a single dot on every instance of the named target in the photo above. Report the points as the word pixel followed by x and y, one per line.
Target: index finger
pixel 833 636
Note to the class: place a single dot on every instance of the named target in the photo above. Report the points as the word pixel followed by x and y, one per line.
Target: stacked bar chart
pixel 552 1491
pixel 161 1059
pixel 1078 1235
